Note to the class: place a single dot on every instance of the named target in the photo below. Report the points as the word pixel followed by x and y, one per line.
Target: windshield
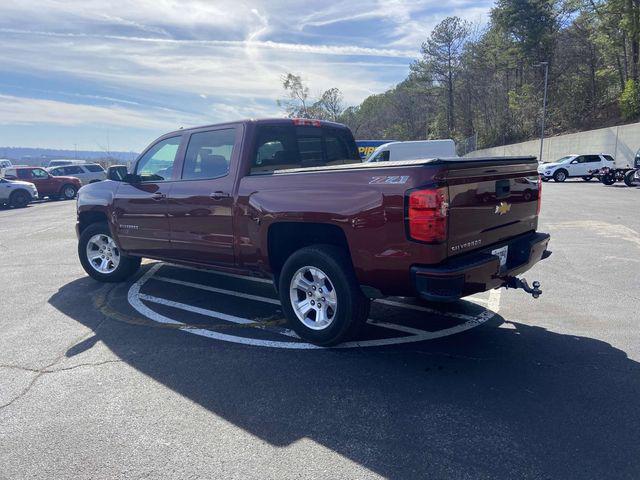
pixel 563 159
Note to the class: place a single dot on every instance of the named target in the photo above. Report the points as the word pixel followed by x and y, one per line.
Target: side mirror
pixel 132 178
pixel 118 173
pixel 574 161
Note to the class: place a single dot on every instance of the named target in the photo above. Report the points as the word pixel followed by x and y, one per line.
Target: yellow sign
pixel 503 208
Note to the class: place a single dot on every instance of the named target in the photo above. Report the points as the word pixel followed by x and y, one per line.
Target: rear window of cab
pixel 285 147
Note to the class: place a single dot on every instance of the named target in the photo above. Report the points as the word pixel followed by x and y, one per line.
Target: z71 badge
pixel 393 180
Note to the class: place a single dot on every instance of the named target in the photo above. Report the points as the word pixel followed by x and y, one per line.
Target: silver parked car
pixel 86 173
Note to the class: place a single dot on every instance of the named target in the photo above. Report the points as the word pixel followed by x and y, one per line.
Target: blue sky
pixel 97 72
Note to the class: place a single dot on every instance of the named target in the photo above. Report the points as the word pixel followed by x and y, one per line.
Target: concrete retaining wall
pixel 622 142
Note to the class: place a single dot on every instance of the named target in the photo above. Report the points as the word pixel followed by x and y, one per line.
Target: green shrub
pixel 629 101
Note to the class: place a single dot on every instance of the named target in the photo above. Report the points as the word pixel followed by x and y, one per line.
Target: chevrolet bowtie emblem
pixel 503 208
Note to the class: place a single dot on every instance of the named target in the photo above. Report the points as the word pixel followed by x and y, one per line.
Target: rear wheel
pixel 100 256
pixel 19 199
pixel 608 179
pixel 68 192
pixel 560 176
pixel 320 295
pixel 630 178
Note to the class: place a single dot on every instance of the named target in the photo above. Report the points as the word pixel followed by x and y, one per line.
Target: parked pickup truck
pixel 291 200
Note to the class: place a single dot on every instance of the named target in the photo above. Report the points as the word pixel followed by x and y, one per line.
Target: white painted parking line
pixel 397 327
pixel 190 308
pixel 274 301
pixel 136 298
pixel 217 290
pixel 224 274
pixel 494 300
pixel 232 318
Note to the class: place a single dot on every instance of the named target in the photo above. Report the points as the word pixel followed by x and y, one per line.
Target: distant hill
pixel 40 156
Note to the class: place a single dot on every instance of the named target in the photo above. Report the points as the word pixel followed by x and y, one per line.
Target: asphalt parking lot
pixel 183 373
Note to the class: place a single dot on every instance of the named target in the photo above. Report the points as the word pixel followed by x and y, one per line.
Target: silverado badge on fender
pixel 503 208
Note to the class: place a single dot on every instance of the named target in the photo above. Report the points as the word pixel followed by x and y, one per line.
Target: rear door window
pixel 289 147
pixel 73 170
pixel 94 168
pixel 209 154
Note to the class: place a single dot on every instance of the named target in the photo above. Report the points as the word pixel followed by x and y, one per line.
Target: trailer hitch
pixel 515 282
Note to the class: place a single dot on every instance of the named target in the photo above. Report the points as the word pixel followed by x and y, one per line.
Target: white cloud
pixel 229 69
pixel 32 111
pixel 203 60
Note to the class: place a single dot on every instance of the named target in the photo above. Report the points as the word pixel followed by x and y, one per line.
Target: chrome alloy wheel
pixel 69 192
pixel 103 254
pixel 313 298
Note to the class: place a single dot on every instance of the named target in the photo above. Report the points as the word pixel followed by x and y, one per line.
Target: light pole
pixel 544 105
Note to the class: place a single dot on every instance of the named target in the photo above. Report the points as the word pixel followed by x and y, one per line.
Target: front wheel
pixel 560 176
pixel 68 192
pixel 100 256
pixel 19 199
pixel 320 295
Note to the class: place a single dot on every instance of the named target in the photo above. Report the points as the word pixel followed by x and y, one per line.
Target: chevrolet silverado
pixel 290 200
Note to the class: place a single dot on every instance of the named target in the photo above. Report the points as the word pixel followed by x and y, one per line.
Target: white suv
pixel 16 193
pixel 574 166
pixel 87 173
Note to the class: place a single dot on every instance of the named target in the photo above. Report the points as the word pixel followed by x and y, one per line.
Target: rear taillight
pixel 539 195
pixel 428 210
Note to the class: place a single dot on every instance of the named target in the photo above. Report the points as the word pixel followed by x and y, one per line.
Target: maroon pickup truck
pixel 291 200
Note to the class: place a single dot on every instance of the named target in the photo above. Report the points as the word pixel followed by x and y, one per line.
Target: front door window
pixel 156 165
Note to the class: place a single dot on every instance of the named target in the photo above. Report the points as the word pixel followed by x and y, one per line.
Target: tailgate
pixel 490 200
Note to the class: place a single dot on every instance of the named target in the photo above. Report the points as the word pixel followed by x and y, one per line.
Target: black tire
pixel 587 178
pixel 68 192
pixel 629 178
pixel 352 306
pixel 560 175
pixel 126 267
pixel 608 179
pixel 19 199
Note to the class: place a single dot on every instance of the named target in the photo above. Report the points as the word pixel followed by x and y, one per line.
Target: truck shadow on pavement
pixel 504 400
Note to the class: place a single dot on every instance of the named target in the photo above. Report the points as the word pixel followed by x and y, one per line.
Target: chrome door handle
pixel 158 196
pixel 219 195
